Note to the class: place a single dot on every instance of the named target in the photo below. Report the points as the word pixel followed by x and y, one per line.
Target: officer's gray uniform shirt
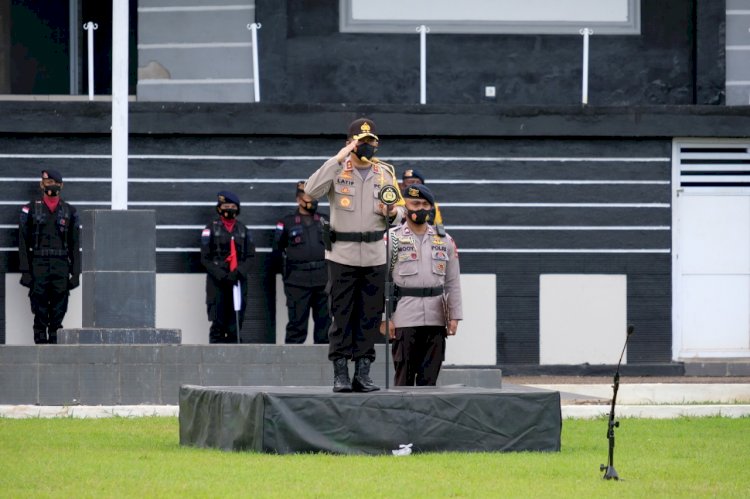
pixel 428 263
pixel 355 207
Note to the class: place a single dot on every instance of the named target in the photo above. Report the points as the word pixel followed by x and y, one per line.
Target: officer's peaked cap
pixel 419 191
pixel 363 127
pixel 228 197
pixel 53 174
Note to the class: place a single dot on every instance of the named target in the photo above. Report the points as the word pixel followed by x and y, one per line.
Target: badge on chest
pixel 407 249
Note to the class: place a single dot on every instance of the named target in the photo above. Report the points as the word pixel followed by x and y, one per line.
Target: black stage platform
pixel 293 419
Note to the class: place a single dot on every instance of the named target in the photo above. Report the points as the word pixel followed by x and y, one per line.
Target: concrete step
pixel 152 374
pixel 717 367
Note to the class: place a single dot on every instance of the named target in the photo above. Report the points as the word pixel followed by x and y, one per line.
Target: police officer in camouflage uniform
pixel 351 181
pixel 49 256
pixel 425 271
pixel 226 253
pixel 299 253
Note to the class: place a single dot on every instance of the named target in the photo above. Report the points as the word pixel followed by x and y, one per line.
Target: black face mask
pixel 52 190
pixel 366 151
pixel 419 216
pixel 311 206
pixel 229 214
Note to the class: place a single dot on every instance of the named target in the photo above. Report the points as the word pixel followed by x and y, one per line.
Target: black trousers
pixel 418 354
pixel 300 301
pixel 356 300
pixel 222 315
pixel 49 297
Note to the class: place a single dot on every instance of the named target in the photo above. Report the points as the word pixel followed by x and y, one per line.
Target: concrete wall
pixel 180 304
pixel 678 58
pixel 524 191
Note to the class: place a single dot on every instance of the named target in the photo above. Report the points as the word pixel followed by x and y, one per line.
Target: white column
pixel 120 45
pixel 585 75
pixel 423 30
pixel 89 27
pixel 254 27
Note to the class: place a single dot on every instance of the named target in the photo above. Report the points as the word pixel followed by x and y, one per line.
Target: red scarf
pixel 51 202
pixel 232 258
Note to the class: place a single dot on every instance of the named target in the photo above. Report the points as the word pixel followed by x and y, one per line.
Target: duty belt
pixel 50 252
pixel 356 237
pixel 419 292
pixel 306 265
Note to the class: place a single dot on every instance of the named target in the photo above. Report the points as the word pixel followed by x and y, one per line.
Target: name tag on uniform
pixel 407 251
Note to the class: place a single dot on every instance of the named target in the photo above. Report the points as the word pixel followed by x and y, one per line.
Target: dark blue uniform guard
pixel 49 256
pixel 299 254
pixel 216 241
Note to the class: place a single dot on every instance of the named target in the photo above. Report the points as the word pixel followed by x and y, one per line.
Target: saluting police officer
pixel 299 253
pixel 226 252
pixel 49 255
pixel 425 272
pixel 356 258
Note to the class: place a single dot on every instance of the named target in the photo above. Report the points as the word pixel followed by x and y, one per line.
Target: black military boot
pixel 341 382
pixel 52 340
pixel 40 336
pixel 362 381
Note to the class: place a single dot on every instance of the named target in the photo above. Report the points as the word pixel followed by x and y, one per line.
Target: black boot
pixel 362 381
pixel 341 382
pixel 52 340
pixel 40 336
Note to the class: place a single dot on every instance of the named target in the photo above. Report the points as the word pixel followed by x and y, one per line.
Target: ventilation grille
pixel 715 165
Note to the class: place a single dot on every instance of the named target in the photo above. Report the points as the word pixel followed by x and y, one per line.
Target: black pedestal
pixel 119 280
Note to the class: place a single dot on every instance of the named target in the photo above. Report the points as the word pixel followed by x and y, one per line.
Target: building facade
pixel 575 219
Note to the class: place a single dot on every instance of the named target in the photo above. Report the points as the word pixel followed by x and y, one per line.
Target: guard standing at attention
pixel 425 271
pixel 226 252
pixel 49 256
pixel 352 180
pixel 299 253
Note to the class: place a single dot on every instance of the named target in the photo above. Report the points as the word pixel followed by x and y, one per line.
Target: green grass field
pixel 118 457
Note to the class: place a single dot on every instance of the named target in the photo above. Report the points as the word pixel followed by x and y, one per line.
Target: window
pixel 621 17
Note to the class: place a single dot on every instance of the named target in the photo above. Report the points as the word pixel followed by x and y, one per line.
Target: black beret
pixel 228 197
pixel 413 173
pixel 53 174
pixel 362 127
pixel 419 191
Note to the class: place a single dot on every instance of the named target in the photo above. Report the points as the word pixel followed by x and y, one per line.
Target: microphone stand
pixel 388 295
pixel 609 469
pixel 388 195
